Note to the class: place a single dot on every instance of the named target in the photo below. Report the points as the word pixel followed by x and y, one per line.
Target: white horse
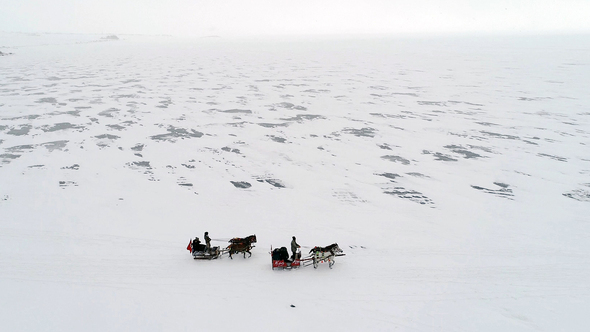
pixel 325 254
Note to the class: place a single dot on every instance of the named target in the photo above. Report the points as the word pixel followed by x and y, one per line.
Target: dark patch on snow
pixel 174 132
pixel 8 157
pixel 274 182
pixel 139 164
pixel 418 175
pixel 316 91
pixel 228 149
pixel 55 145
pixel 411 195
pixel 237 111
pixel 273 125
pixel 461 150
pixel 363 132
pixel 579 195
pixel 391 176
pixel 61 126
pixel 504 190
pixel 20 148
pixel 278 139
pixel 116 127
pixel 241 184
pixel 290 106
pixel 109 113
pixel 107 136
pixel 487 133
pixel 74 167
pixel 432 103
pixel 47 100
pixel 165 103
pixel 183 183
pixel 64 184
pixel 301 117
pixel 347 196
pixel 439 156
pixel 384 146
pixel 552 157
pixel 23 130
pixel 138 147
pixel 396 159
pixel 487 124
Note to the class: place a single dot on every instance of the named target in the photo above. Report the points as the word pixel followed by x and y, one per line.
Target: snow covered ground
pixel 453 172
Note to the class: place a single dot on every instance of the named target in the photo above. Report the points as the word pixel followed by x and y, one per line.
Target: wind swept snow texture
pixel 452 172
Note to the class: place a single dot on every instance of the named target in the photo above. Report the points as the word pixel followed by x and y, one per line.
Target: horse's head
pixel 252 238
pixel 335 248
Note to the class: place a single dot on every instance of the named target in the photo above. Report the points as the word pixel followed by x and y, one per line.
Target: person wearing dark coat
pixel 196 244
pixel 294 247
pixel 207 241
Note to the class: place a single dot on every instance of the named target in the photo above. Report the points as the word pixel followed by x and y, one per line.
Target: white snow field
pixel 453 172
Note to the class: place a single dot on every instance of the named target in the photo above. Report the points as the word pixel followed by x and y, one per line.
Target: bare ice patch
pixel 20 131
pixel 8 157
pixel 439 156
pixel 396 159
pixel 174 133
pixel 55 145
pixel 109 113
pixel 61 126
pixel 463 151
pixel 277 139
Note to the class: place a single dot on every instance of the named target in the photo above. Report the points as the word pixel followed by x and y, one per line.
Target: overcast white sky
pixel 272 17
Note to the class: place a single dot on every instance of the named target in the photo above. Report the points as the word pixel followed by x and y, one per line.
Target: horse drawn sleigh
pixel 317 255
pixel 200 251
pixel 236 245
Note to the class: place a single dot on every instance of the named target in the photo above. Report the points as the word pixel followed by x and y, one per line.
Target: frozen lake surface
pixel 453 172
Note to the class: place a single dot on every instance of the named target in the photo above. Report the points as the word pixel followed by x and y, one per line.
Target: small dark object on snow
pixel 292 306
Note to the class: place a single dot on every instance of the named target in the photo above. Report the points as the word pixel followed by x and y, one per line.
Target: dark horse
pixel 325 254
pixel 248 239
pixel 241 245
